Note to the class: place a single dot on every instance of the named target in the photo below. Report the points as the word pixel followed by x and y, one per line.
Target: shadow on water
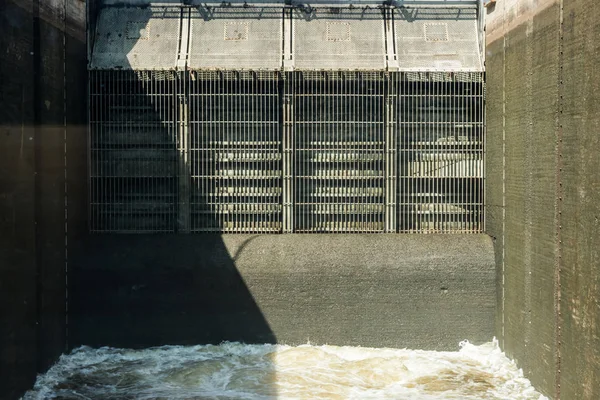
pixel 145 290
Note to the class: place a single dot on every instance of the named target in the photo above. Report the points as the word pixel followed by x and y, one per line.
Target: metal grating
pixel 236 38
pixel 137 38
pixel 133 151
pixel 339 39
pixel 301 38
pixel 235 152
pixel 312 151
pixel 437 39
pixel 339 151
pixel 440 136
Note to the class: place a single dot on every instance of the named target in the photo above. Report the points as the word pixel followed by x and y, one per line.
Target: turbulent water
pixel 239 371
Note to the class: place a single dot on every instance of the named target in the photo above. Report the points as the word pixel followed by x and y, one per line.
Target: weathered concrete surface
pixel 17 229
pixel 427 292
pixel 549 160
pixel 580 220
pixel 506 15
pixel 32 191
pixel 494 172
pixel 530 75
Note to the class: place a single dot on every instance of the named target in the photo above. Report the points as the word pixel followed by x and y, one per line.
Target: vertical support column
pixel 288 33
pixel 391 158
pixel 483 200
pixel 184 40
pixel 181 87
pixel 183 211
pixel 287 156
pixel 390 40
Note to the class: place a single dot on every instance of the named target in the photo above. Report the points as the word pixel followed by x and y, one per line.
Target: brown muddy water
pixel 240 371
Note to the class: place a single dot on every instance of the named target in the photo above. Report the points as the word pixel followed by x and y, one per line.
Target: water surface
pixel 239 371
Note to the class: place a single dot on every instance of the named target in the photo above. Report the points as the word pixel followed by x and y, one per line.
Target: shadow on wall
pixel 130 291
pixel 139 291
pixel 490 6
pixel 18 291
pixel 143 290
pixel 42 88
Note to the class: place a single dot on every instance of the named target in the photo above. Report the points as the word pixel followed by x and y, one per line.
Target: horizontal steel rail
pixel 289 3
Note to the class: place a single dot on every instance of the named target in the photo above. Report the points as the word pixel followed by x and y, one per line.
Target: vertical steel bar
pixel 183 220
pixel 483 140
pixel 287 160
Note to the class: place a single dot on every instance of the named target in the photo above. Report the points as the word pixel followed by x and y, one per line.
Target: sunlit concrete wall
pixel 543 180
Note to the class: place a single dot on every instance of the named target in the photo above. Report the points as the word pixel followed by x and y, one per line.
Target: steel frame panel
pixel 271 152
pixel 236 151
pixel 440 141
pixel 133 151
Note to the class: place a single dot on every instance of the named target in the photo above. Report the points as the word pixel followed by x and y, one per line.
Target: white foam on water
pixel 240 371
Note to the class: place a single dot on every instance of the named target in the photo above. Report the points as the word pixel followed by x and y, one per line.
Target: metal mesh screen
pixel 440 138
pixel 300 38
pixel 294 152
pixel 334 39
pixel 133 151
pixel 339 151
pixel 137 38
pixel 437 39
pixel 235 152
pixel 230 38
